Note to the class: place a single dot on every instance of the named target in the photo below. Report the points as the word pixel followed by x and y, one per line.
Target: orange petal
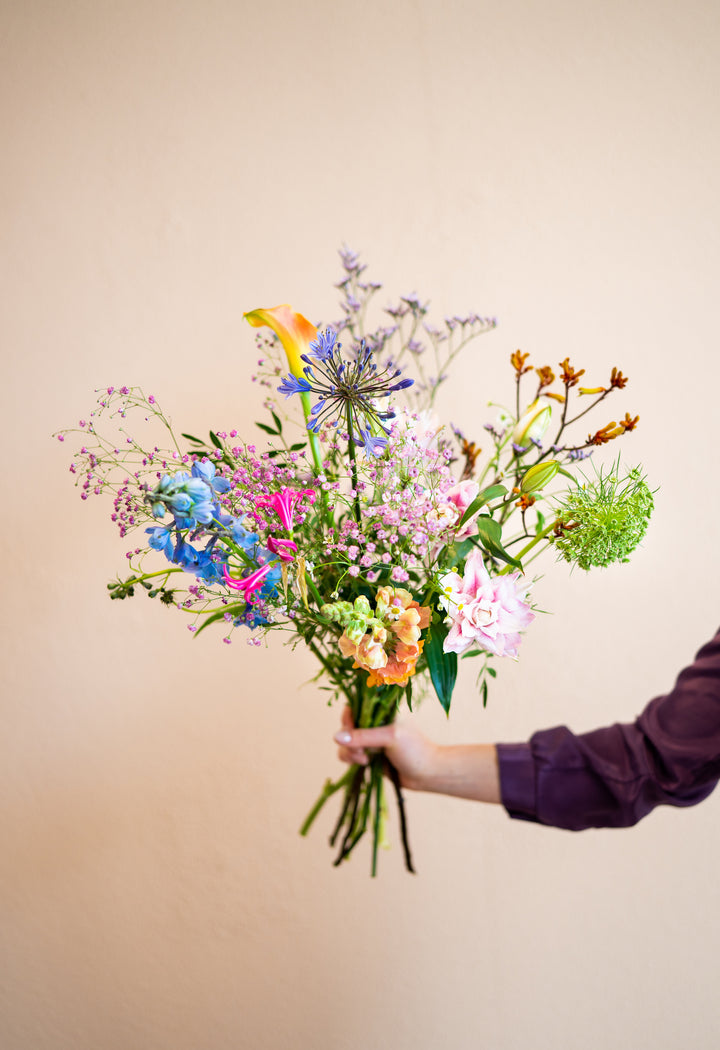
pixel 293 330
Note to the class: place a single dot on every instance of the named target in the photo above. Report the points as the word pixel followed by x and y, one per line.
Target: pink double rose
pixel 484 611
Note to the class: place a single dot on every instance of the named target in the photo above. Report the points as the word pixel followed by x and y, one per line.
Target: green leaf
pixel 459 551
pixel 442 666
pixel 234 610
pixel 493 492
pixel 267 429
pixel 491 671
pixel 486 496
pixel 298 446
pixel 216 440
pixel 278 422
pixel 490 535
pixel 189 437
pixel 408 694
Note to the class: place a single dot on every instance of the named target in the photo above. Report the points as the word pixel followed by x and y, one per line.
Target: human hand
pixel 462 770
pixel 412 754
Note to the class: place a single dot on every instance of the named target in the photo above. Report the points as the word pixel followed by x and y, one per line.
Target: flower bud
pixel 533 423
pixel 362 605
pixel 337 612
pixel 538 476
pixel 355 630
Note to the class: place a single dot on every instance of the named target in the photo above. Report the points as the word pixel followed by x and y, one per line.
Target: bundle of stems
pixel 364 803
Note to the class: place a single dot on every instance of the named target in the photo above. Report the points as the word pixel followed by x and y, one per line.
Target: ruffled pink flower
pixel 461 496
pixel 483 611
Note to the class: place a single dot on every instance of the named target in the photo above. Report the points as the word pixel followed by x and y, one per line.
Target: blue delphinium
pixel 205 470
pixel 205 563
pixel 190 500
pixel 161 539
pixel 189 497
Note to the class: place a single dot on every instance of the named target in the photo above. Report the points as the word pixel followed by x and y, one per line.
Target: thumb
pixel 382 736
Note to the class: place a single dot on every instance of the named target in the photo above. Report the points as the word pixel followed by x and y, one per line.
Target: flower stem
pixel 529 546
pixel 329 789
pixel 312 437
pixel 395 778
pixel 376 781
pixel 353 465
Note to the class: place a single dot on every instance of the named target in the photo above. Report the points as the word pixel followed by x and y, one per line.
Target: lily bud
pixel 533 423
pixel 538 476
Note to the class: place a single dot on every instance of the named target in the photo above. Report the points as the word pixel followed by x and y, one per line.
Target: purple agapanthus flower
pixel 348 390
pixel 292 385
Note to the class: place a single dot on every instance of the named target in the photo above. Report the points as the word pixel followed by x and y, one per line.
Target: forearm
pixel 463 770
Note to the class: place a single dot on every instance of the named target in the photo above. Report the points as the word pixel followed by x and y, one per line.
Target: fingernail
pixel 343 737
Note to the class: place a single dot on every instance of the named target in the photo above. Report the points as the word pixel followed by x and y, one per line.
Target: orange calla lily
pixel 293 330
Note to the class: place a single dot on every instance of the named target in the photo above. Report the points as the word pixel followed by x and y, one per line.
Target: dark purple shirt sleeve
pixel 612 777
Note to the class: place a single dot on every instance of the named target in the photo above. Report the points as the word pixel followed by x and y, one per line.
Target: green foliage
pixel 603 520
pixel 442 666
pixel 490 536
pixel 482 499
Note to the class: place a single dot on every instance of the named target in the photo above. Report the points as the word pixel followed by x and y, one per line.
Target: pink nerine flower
pixel 249 584
pixel 284 503
pixel 484 611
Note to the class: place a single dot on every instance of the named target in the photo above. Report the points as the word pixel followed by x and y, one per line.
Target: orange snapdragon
pixel 390 650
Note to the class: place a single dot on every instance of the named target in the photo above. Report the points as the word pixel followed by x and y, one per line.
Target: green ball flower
pixel 603 520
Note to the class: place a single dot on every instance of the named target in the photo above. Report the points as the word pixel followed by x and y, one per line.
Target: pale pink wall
pixel 167 166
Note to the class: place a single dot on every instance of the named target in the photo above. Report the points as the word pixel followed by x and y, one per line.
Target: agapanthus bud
pixel 533 423
pixel 538 476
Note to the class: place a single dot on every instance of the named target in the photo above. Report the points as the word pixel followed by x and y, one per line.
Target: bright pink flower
pixel 248 584
pixel 284 503
pixel 284 549
pixel 483 611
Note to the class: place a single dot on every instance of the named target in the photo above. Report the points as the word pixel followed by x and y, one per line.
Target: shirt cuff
pixel 517 781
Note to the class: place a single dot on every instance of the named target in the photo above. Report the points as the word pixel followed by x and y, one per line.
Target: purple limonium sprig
pixel 347 390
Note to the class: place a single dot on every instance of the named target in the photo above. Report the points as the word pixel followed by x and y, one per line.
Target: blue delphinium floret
pixel 205 470
pixel 161 540
pixel 191 498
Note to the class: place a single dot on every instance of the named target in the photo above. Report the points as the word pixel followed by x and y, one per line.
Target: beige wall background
pixel 168 165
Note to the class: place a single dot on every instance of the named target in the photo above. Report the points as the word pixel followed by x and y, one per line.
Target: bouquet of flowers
pixel 388 543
